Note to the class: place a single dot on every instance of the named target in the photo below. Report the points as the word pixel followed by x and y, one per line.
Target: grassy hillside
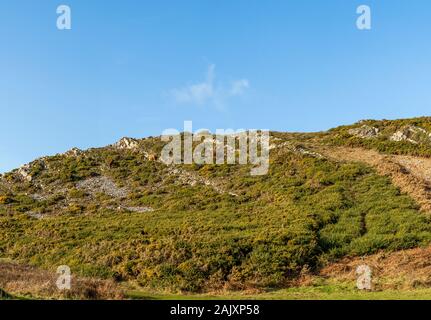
pixel 117 213
pixel 406 136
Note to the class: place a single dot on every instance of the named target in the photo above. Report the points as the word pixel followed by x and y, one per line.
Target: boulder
pixel 365 132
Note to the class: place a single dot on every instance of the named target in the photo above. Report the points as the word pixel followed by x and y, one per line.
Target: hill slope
pixel 117 212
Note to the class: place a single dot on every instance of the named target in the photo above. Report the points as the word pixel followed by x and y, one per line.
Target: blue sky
pixel 135 68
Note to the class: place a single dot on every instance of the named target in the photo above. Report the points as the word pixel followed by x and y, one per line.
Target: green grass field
pixel 313 293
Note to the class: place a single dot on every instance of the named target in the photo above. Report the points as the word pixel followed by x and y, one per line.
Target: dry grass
pixel 21 280
pixel 402 270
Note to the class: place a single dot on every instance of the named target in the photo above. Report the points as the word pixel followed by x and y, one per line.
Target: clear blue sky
pixel 135 68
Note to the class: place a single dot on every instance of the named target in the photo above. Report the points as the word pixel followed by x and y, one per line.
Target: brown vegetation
pixel 21 280
pixel 406 269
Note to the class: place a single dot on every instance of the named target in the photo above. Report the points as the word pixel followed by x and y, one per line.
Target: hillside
pixel 118 213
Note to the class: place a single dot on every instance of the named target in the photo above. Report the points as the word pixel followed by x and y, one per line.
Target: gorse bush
pixel 237 231
pixel 247 232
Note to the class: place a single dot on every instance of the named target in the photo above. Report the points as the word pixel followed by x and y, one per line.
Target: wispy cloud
pixel 238 87
pixel 209 92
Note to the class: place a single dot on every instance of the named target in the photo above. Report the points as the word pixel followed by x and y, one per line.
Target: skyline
pixel 135 69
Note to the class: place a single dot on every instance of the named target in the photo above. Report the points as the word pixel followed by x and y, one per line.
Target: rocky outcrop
pixel 365 132
pixel 411 134
pixel 74 152
pixel 133 145
pixel 127 144
pixel 25 173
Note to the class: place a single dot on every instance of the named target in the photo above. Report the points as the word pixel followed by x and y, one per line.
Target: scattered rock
pixel 135 209
pixel 38 197
pixel 365 132
pixel 296 149
pixel 307 152
pixel 193 179
pixel 102 184
pixel 34 215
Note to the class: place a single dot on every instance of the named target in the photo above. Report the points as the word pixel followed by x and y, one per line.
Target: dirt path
pixel 411 174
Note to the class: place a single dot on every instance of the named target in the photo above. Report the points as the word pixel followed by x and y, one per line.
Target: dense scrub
pixel 246 232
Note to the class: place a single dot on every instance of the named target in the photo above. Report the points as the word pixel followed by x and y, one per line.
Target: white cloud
pixel 238 87
pixel 208 92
